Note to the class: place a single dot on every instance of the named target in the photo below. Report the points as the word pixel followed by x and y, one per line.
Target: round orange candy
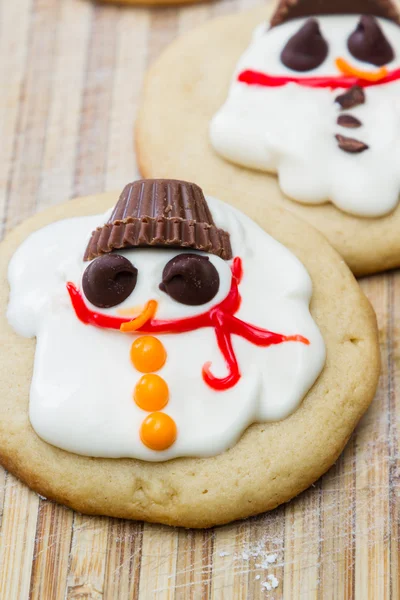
pixel 151 392
pixel 158 431
pixel 148 354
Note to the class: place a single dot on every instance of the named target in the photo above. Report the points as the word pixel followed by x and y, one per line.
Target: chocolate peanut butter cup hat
pixel 293 9
pixel 160 213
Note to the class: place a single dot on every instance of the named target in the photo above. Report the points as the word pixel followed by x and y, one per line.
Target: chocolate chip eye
pixel 369 44
pixel 190 279
pixel 307 49
pixel 109 280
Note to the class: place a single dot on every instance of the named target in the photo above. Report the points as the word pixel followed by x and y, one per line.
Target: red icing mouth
pixel 339 82
pixel 221 318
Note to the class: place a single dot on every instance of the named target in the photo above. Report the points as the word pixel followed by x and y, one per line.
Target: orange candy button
pixel 151 392
pixel 158 431
pixel 148 354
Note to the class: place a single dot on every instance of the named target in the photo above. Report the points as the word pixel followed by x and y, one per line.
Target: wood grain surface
pixel 70 77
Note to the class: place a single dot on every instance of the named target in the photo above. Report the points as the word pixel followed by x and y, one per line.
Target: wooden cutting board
pixel 70 77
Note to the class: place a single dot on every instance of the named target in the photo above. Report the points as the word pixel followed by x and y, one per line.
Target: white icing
pixel 291 130
pixel 81 391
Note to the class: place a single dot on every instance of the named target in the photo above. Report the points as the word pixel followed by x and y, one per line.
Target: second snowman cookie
pixel 313 98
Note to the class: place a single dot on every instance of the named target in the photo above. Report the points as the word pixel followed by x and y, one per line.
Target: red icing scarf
pixel 340 82
pixel 221 318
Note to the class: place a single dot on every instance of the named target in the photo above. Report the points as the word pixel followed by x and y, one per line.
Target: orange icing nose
pixel 148 354
pixel 151 392
pixel 147 314
pixel 346 68
pixel 158 431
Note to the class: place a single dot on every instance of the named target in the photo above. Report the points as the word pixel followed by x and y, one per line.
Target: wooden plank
pixel 130 63
pixel 3 479
pixel 194 566
pixel 158 566
pixel 372 524
pixel 124 559
pixel 30 130
pixel 231 562
pixel 52 545
pixel 337 525
pixel 15 17
pixel 87 558
pixel 267 544
pixel 17 539
pixel 393 360
pixel 192 16
pixel 302 546
pixel 92 140
pixel 163 29
pixel 62 128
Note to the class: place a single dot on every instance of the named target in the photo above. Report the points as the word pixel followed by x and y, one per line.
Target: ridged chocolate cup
pixel 160 213
pixel 293 9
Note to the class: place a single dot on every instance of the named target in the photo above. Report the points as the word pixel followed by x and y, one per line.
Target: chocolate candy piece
pixel 354 97
pixel 351 145
pixel 294 9
pixel 190 279
pixel 161 213
pixel 307 49
pixel 109 280
pixel 349 121
pixel 369 44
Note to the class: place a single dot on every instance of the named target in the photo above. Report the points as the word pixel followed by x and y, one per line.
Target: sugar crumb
pixel 274 581
pixel 267 585
pixel 271 558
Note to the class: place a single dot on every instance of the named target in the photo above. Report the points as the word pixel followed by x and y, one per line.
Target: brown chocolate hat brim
pixel 293 9
pixel 158 232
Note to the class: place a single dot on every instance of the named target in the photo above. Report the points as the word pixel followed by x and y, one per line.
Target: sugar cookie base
pixel 271 463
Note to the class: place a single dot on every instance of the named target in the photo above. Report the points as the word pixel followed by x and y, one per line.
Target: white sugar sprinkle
pixel 274 581
pixel 267 585
pixel 271 558
pixel 258 558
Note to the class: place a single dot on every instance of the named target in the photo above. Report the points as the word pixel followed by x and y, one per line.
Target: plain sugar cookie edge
pixel 169 493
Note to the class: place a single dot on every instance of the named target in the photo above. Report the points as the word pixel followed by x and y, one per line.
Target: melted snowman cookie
pixel 88 386
pixel 315 99
pixel 167 327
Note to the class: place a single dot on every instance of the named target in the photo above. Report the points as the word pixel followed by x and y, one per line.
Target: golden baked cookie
pixel 351 146
pixel 272 461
